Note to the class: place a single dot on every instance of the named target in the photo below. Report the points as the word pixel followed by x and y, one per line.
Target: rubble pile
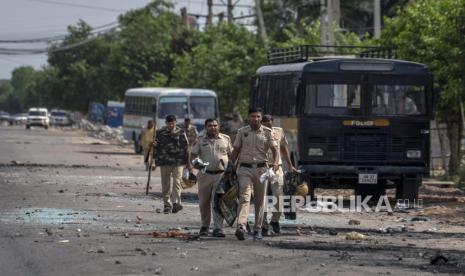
pixel 103 132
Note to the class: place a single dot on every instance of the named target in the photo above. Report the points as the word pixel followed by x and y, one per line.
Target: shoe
pixel 167 209
pixel 176 208
pixel 240 234
pixel 265 232
pixel 276 227
pixel 203 231
pixel 218 233
pixel 257 235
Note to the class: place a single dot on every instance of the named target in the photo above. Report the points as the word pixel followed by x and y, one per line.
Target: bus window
pixel 334 98
pixel 203 107
pixel 398 100
pixel 173 106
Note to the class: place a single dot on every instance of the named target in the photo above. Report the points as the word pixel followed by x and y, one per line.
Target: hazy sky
pixel 29 19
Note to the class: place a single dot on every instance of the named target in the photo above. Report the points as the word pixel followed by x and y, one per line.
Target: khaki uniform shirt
pixel 213 151
pixel 146 137
pixel 280 138
pixel 254 144
pixel 191 133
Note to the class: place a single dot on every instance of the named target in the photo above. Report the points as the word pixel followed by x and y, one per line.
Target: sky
pixel 31 19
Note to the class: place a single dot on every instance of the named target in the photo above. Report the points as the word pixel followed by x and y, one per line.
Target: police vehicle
pixel 353 121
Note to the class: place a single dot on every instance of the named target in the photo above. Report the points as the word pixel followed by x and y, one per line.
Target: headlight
pixel 315 152
pixel 414 154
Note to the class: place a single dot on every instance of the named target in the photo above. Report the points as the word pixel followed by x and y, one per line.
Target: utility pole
pixel 230 11
pixel 210 13
pixel 330 11
pixel 261 22
pixel 377 18
pixel 185 19
pixel 220 17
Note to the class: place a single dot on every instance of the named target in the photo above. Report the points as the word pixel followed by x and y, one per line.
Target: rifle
pixel 150 157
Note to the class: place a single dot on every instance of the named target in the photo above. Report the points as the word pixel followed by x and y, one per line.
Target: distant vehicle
pixel 143 104
pixel 37 117
pixel 18 119
pixel 59 117
pixel 114 113
pixel 96 113
pixel 4 117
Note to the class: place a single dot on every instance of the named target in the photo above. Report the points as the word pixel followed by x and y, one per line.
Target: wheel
pixel 45 127
pixel 408 188
pixel 28 127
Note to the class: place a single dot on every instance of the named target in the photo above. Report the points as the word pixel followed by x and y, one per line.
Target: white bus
pixel 143 104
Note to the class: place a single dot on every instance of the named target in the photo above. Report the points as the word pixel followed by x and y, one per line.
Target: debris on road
pixel 355 236
pixel 439 259
pixel 354 222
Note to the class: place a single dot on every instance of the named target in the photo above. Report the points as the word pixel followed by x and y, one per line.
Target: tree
pixel 224 60
pixel 22 78
pixel 431 32
pixel 147 45
pixel 79 73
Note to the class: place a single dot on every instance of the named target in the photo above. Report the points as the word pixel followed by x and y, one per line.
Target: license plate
pixel 367 178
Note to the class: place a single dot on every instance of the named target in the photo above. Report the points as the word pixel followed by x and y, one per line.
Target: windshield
pixel 37 113
pixel 398 100
pixel 59 114
pixel 203 107
pixel 172 106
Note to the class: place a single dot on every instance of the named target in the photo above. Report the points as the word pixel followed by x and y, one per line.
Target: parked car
pixel 18 119
pixel 37 117
pixel 59 117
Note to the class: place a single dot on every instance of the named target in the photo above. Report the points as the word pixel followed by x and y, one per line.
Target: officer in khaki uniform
pixel 250 149
pixel 277 186
pixel 214 148
pixel 190 130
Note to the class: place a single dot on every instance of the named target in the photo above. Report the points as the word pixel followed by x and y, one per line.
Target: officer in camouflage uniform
pixel 190 130
pixel 171 155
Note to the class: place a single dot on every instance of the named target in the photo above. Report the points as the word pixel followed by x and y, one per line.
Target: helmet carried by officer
pixel 188 179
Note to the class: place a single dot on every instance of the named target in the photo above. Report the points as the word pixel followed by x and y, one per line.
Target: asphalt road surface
pixel 75 205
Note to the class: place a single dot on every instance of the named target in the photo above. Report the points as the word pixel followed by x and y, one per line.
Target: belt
pixel 253 166
pixel 214 172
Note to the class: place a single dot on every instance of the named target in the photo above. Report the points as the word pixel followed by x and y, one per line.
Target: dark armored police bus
pixel 357 123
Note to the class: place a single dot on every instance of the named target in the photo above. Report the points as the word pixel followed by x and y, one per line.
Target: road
pixel 75 205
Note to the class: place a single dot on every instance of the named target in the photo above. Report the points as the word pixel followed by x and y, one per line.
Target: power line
pixel 78 5
pixel 100 28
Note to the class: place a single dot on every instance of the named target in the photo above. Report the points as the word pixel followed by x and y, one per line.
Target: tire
pixel 45 127
pixel 408 188
pixel 28 127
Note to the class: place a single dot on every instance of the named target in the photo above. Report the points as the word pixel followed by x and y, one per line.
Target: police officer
pixel 213 147
pixel 277 186
pixel 250 148
pixel 171 155
pixel 190 130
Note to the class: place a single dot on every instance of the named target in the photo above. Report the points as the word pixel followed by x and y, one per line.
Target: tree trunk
pixel 454 131
pixel 442 147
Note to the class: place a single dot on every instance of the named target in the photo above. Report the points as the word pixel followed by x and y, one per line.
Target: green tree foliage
pixel 224 60
pixel 431 32
pixel 80 74
pixel 147 45
pixel 8 100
